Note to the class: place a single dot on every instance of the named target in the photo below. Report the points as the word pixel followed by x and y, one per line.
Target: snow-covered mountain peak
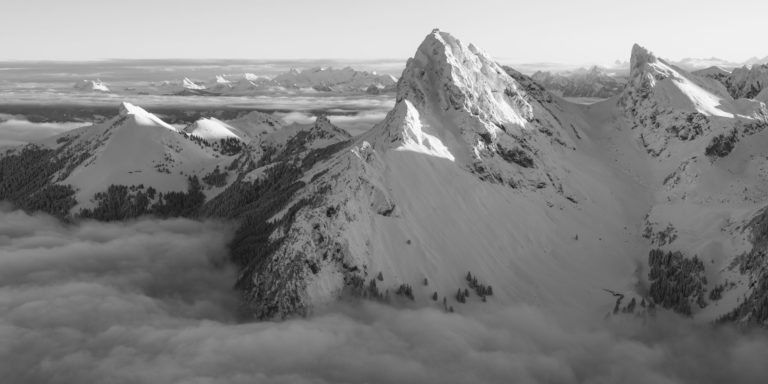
pixel 447 74
pixel 141 117
pixel 463 97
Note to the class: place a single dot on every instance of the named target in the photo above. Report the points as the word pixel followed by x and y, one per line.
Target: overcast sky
pixel 563 31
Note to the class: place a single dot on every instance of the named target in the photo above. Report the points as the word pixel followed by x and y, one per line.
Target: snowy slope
pixel 478 169
pixel 211 129
pixel 471 171
pixel 136 147
pixel 707 172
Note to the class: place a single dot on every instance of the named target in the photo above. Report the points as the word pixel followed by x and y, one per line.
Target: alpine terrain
pixel 478 188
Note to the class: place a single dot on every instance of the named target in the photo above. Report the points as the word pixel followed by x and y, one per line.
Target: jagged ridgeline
pixel 478 188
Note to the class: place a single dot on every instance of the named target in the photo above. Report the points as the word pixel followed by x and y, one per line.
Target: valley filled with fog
pixel 152 301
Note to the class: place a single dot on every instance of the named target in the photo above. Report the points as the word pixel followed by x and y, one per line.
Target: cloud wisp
pixel 151 301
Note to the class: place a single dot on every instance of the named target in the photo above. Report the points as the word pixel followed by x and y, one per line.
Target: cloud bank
pixel 151 301
pixel 355 123
pixel 17 130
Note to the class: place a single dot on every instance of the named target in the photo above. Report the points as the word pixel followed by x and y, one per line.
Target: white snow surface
pixel 136 147
pixel 210 128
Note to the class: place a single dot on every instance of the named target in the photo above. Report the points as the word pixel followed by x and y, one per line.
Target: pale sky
pixel 561 31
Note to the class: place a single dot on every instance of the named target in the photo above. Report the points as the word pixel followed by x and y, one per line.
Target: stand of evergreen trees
pixel 120 202
pixel 25 180
pixel 676 281
pixel 216 178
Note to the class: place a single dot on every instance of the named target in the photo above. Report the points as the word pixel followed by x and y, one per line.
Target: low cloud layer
pixel 298 101
pixel 16 130
pixel 150 301
pixel 355 123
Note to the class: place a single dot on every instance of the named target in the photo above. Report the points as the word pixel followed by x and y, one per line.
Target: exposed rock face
pixel 748 82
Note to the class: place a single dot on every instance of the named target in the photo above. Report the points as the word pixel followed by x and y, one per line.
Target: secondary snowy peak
pixel 189 84
pixel 135 147
pixel 645 69
pixel 91 86
pixel 211 129
pixel 674 86
pixel 671 107
pixel 142 117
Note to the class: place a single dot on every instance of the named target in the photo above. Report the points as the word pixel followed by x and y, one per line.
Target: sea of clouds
pixel 17 130
pixel 151 301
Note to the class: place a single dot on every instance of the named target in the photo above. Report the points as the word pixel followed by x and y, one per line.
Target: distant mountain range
pixel 692 64
pixel 595 82
pixel 318 79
